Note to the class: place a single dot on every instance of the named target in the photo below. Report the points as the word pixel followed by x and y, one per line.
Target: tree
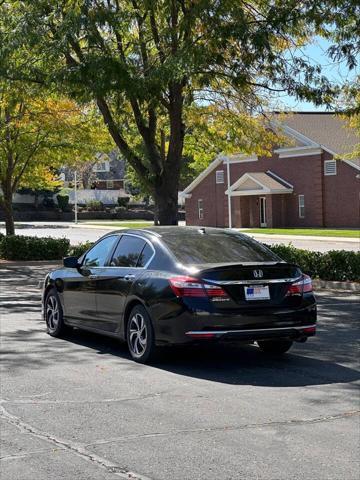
pixel 350 108
pixel 213 130
pixel 86 172
pixel 147 63
pixel 37 134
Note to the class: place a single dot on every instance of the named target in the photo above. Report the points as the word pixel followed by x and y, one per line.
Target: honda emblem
pixel 258 273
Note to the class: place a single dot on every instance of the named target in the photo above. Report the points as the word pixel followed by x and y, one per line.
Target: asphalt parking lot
pixel 79 408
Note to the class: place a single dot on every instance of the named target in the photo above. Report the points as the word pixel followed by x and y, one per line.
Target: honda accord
pixel 181 285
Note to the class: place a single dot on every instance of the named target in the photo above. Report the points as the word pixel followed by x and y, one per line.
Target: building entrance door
pixel 262 205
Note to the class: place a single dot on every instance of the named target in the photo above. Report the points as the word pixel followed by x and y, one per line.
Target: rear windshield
pixel 219 247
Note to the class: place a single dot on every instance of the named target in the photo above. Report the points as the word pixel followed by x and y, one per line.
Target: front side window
pixel 301 206
pixel 97 256
pixel 201 209
pixel 128 251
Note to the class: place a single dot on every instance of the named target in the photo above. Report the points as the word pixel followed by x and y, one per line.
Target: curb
pixel 311 238
pixel 28 263
pixel 328 285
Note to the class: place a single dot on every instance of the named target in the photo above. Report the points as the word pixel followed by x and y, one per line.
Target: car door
pixel 114 282
pixel 80 284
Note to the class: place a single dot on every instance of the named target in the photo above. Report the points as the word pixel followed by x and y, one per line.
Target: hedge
pixel 77 250
pixel 20 247
pixel 336 265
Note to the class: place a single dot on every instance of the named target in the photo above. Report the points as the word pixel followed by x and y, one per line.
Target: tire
pixel 140 335
pixel 275 347
pixel 53 314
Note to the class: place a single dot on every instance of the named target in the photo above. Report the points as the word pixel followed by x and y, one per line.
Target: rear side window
pixel 128 251
pixel 145 256
pixel 97 256
pixel 219 247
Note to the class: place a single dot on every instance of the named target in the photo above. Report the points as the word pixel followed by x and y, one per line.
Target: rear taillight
pixel 303 285
pixel 184 286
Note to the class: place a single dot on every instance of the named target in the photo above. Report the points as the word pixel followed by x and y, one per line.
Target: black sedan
pixel 180 285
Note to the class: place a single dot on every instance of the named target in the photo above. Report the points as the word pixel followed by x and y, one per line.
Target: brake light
pixel 310 330
pixel 184 286
pixel 304 285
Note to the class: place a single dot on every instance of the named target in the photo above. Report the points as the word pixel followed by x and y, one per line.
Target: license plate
pixel 257 293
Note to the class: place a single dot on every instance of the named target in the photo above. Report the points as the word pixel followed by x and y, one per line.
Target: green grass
pixel 318 232
pixel 119 224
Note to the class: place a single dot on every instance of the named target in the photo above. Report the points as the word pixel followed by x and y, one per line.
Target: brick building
pixel 304 185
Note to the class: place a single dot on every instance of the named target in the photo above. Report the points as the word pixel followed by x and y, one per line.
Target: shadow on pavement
pixel 330 357
pixel 224 363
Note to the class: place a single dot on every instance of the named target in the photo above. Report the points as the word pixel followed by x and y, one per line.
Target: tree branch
pixel 133 159
pixel 155 34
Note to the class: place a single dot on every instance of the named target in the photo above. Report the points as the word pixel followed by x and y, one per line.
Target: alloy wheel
pixel 137 334
pixel 52 312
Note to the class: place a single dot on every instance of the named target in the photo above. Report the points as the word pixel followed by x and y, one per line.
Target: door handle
pixel 129 277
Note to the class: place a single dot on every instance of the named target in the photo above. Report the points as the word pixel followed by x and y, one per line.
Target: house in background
pixel 304 185
pixel 104 172
pixel 101 179
pixel 109 172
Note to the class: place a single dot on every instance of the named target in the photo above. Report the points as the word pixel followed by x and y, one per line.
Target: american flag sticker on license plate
pixel 257 293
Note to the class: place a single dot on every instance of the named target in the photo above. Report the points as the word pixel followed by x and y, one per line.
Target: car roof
pixel 165 231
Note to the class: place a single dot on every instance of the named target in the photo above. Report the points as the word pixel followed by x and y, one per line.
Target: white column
pixel 228 189
pixel 75 197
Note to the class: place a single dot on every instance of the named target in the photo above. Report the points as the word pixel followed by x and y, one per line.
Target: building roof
pixel 257 183
pixel 326 129
pixel 311 133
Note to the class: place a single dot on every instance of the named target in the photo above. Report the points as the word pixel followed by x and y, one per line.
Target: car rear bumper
pixel 294 333
pixel 188 327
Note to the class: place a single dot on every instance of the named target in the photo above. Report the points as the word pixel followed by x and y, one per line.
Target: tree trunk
pixel 9 214
pixel 166 199
pixel 6 204
pixel 36 200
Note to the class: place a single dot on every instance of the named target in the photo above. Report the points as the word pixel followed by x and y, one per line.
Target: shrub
pixel 336 265
pixel 120 209
pixel 78 250
pixel 19 247
pixel 48 202
pixel 63 202
pixel 95 205
pixel 123 201
pixel 340 265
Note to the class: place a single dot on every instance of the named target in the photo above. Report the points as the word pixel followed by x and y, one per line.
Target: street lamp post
pixel 228 189
pixel 75 197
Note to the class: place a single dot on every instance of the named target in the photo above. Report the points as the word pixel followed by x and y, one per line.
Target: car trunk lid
pixel 254 284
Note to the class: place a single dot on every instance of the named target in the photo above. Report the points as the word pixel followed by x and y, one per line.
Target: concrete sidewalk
pixel 304 237
pixel 82 232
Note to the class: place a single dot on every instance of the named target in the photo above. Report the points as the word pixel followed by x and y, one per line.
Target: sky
pixel 336 72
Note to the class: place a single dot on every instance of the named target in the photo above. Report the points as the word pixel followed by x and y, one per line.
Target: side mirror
pixel 71 262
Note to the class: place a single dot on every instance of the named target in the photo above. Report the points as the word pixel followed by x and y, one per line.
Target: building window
pixel 330 167
pixel 219 176
pixel 301 206
pixel 102 166
pixel 109 184
pixel 201 209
